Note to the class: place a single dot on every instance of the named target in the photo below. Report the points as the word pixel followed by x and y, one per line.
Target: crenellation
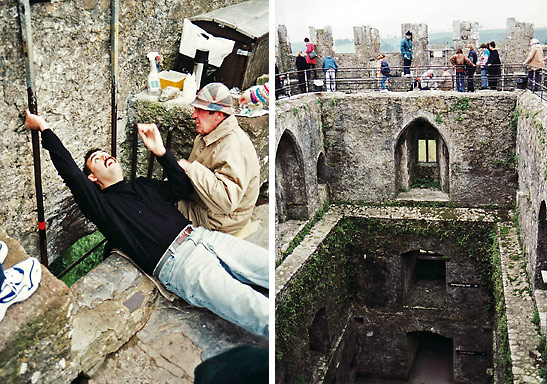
pixel 513 49
pixel 465 33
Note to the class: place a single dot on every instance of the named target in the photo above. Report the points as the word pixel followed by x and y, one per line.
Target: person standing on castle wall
pixel 494 66
pixel 377 69
pixel 483 60
pixel 301 66
pixel 406 53
pixel 311 58
pixel 460 61
pixel 535 64
pixel 330 68
pixel 472 56
pixel 385 71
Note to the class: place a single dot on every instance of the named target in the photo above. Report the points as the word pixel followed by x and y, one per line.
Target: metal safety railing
pixel 506 77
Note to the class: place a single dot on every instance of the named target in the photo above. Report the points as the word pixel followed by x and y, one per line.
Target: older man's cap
pixel 408 33
pixel 214 97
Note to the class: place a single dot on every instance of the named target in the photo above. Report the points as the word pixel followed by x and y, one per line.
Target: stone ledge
pixel 111 303
pixel 35 334
pixel 523 338
pixel 172 343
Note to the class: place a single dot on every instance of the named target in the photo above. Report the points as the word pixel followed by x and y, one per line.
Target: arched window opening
pixel 424 279
pixel 291 196
pixel 421 159
pixel 319 332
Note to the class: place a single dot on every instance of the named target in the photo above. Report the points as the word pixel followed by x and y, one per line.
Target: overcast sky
pixel 387 16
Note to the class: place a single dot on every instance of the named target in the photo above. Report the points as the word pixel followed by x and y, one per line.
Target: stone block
pixel 111 303
pixel 35 334
pixel 177 116
pixel 174 341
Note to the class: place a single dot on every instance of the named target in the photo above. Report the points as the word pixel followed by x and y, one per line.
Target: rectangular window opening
pixel 427 151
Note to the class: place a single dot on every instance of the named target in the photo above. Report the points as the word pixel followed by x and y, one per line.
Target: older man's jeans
pixel 208 270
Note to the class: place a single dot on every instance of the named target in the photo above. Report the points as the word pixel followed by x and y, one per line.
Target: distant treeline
pixel 392 44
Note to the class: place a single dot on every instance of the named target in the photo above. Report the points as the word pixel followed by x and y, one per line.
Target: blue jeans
pixel 484 79
pixel 383 82
pixel 208 270
pixel 460 81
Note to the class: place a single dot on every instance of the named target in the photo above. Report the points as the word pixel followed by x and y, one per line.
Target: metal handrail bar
pixel 367 77
pixel 73 265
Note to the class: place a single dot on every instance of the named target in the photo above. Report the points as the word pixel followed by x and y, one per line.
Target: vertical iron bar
pixel 26 36
pixel 151 159
pixel 114 74
pixel 168 145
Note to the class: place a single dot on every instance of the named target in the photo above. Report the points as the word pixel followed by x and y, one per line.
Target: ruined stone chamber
pixel 382 287
pixel 365 147
pixel 379 297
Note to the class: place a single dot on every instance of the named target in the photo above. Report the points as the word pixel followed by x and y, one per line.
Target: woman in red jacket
pixel 311 57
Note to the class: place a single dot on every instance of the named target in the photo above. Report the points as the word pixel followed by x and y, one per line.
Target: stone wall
pixel 361 242
pixel 72 58
pixel 532 175
pixel 381 298
pixel 299 143
pixel 476 130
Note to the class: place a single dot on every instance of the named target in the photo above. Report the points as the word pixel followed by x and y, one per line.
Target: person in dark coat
pixel 472 56
pixel 406 53
pixel 494 66
pixel 301 66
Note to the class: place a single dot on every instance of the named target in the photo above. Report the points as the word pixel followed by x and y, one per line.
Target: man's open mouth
pixel 109 161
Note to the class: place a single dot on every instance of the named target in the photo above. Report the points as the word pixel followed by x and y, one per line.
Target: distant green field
pixel 393 44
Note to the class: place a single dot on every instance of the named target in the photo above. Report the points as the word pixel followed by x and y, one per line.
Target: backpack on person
pixel 385 70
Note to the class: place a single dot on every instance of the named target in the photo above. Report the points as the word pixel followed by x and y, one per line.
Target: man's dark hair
pixel 306 40
pixel 483 45
pixel 459 50
pixel 492 44
pixel 85 168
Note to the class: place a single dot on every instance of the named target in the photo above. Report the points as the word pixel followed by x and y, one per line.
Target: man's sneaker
pixel 21 282
pixel 3 252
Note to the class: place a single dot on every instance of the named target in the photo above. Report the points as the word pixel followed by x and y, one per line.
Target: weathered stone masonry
pixel 349 316
pixel 72 60
pixel 360 136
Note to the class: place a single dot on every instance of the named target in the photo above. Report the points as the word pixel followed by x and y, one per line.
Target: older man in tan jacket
pixel 223 166
pixel 535 63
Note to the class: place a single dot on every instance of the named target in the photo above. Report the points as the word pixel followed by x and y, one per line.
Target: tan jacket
pixel 226 176
pixel 535 58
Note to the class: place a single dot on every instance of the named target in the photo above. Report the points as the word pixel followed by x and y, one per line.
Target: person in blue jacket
pixel 406 53
pixel 330 68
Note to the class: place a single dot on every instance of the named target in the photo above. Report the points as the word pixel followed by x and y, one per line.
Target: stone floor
pixel 177 337
pixel 523 337
pixel 284 233
pixel 422 194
